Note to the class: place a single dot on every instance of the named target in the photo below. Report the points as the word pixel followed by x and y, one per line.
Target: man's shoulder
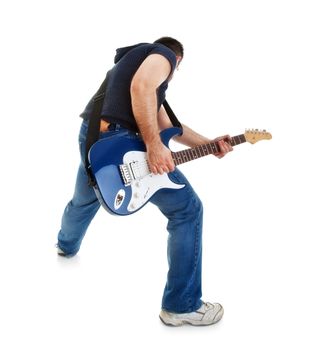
pixel 142 50
pixel 153 48
pixel 160 49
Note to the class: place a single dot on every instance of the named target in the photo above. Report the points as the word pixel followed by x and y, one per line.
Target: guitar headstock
pixel 255 135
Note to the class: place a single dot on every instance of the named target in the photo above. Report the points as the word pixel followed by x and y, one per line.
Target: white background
pixel 247 64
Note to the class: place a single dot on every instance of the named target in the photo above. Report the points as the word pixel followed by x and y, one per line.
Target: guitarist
pixel 134 104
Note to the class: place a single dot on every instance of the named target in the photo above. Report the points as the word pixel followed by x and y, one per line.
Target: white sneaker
pixel 206 315
pixel 60 251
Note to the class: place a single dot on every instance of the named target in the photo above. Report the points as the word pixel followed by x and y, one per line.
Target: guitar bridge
pixel 134 171
pixel 126 174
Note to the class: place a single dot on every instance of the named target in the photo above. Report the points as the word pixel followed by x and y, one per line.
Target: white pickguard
pixel 147 184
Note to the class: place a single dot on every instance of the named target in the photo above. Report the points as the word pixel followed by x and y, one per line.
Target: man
pixel 133 105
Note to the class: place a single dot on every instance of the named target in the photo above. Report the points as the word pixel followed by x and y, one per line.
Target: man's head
pixel 174 45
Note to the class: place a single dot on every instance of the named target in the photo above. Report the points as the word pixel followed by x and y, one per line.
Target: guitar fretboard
pixel 189 154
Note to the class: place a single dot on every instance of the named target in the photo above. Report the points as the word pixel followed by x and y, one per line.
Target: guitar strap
pixel 171 115
pixel 95 119
pixel 94 126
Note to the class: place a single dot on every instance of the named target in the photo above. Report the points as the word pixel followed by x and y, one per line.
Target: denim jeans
pixel 181 207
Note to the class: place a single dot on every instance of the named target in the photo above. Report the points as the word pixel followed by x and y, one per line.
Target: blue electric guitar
pixel 124 183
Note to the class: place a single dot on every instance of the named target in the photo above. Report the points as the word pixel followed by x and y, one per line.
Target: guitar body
pixel 124 183
pixel 119 164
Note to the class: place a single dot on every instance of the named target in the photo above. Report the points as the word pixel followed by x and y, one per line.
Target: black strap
pixel 94 125
pixel 171 115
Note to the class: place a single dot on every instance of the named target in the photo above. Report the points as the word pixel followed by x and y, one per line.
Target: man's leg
pixel 183 208
pixel 77 214
pixel 81 209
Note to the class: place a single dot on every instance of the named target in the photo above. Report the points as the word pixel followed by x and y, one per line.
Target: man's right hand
pixel 159 158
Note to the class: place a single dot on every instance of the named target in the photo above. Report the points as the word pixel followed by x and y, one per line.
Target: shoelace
pixel 208 305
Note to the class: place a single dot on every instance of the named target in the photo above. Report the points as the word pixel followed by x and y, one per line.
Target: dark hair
pixel 172 44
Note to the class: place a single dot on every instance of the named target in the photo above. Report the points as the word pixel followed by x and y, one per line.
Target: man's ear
pixel 178 60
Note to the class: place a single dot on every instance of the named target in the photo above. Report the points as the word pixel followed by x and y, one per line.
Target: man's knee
pixel 197 205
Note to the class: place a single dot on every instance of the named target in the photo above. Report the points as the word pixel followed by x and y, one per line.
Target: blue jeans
pixel 184 212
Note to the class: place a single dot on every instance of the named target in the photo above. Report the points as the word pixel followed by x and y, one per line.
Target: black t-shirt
pixel 117 106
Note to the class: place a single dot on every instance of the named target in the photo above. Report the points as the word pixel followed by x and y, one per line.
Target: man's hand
pixel 159 158
pixel 224 145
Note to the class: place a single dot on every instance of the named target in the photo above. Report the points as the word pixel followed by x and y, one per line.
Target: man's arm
pixel 191 138
pixel 150 75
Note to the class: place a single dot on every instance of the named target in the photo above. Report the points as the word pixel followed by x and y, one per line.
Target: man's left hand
pixel 224 145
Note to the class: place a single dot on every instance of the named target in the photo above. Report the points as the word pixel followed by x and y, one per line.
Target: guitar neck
pixel 189 154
